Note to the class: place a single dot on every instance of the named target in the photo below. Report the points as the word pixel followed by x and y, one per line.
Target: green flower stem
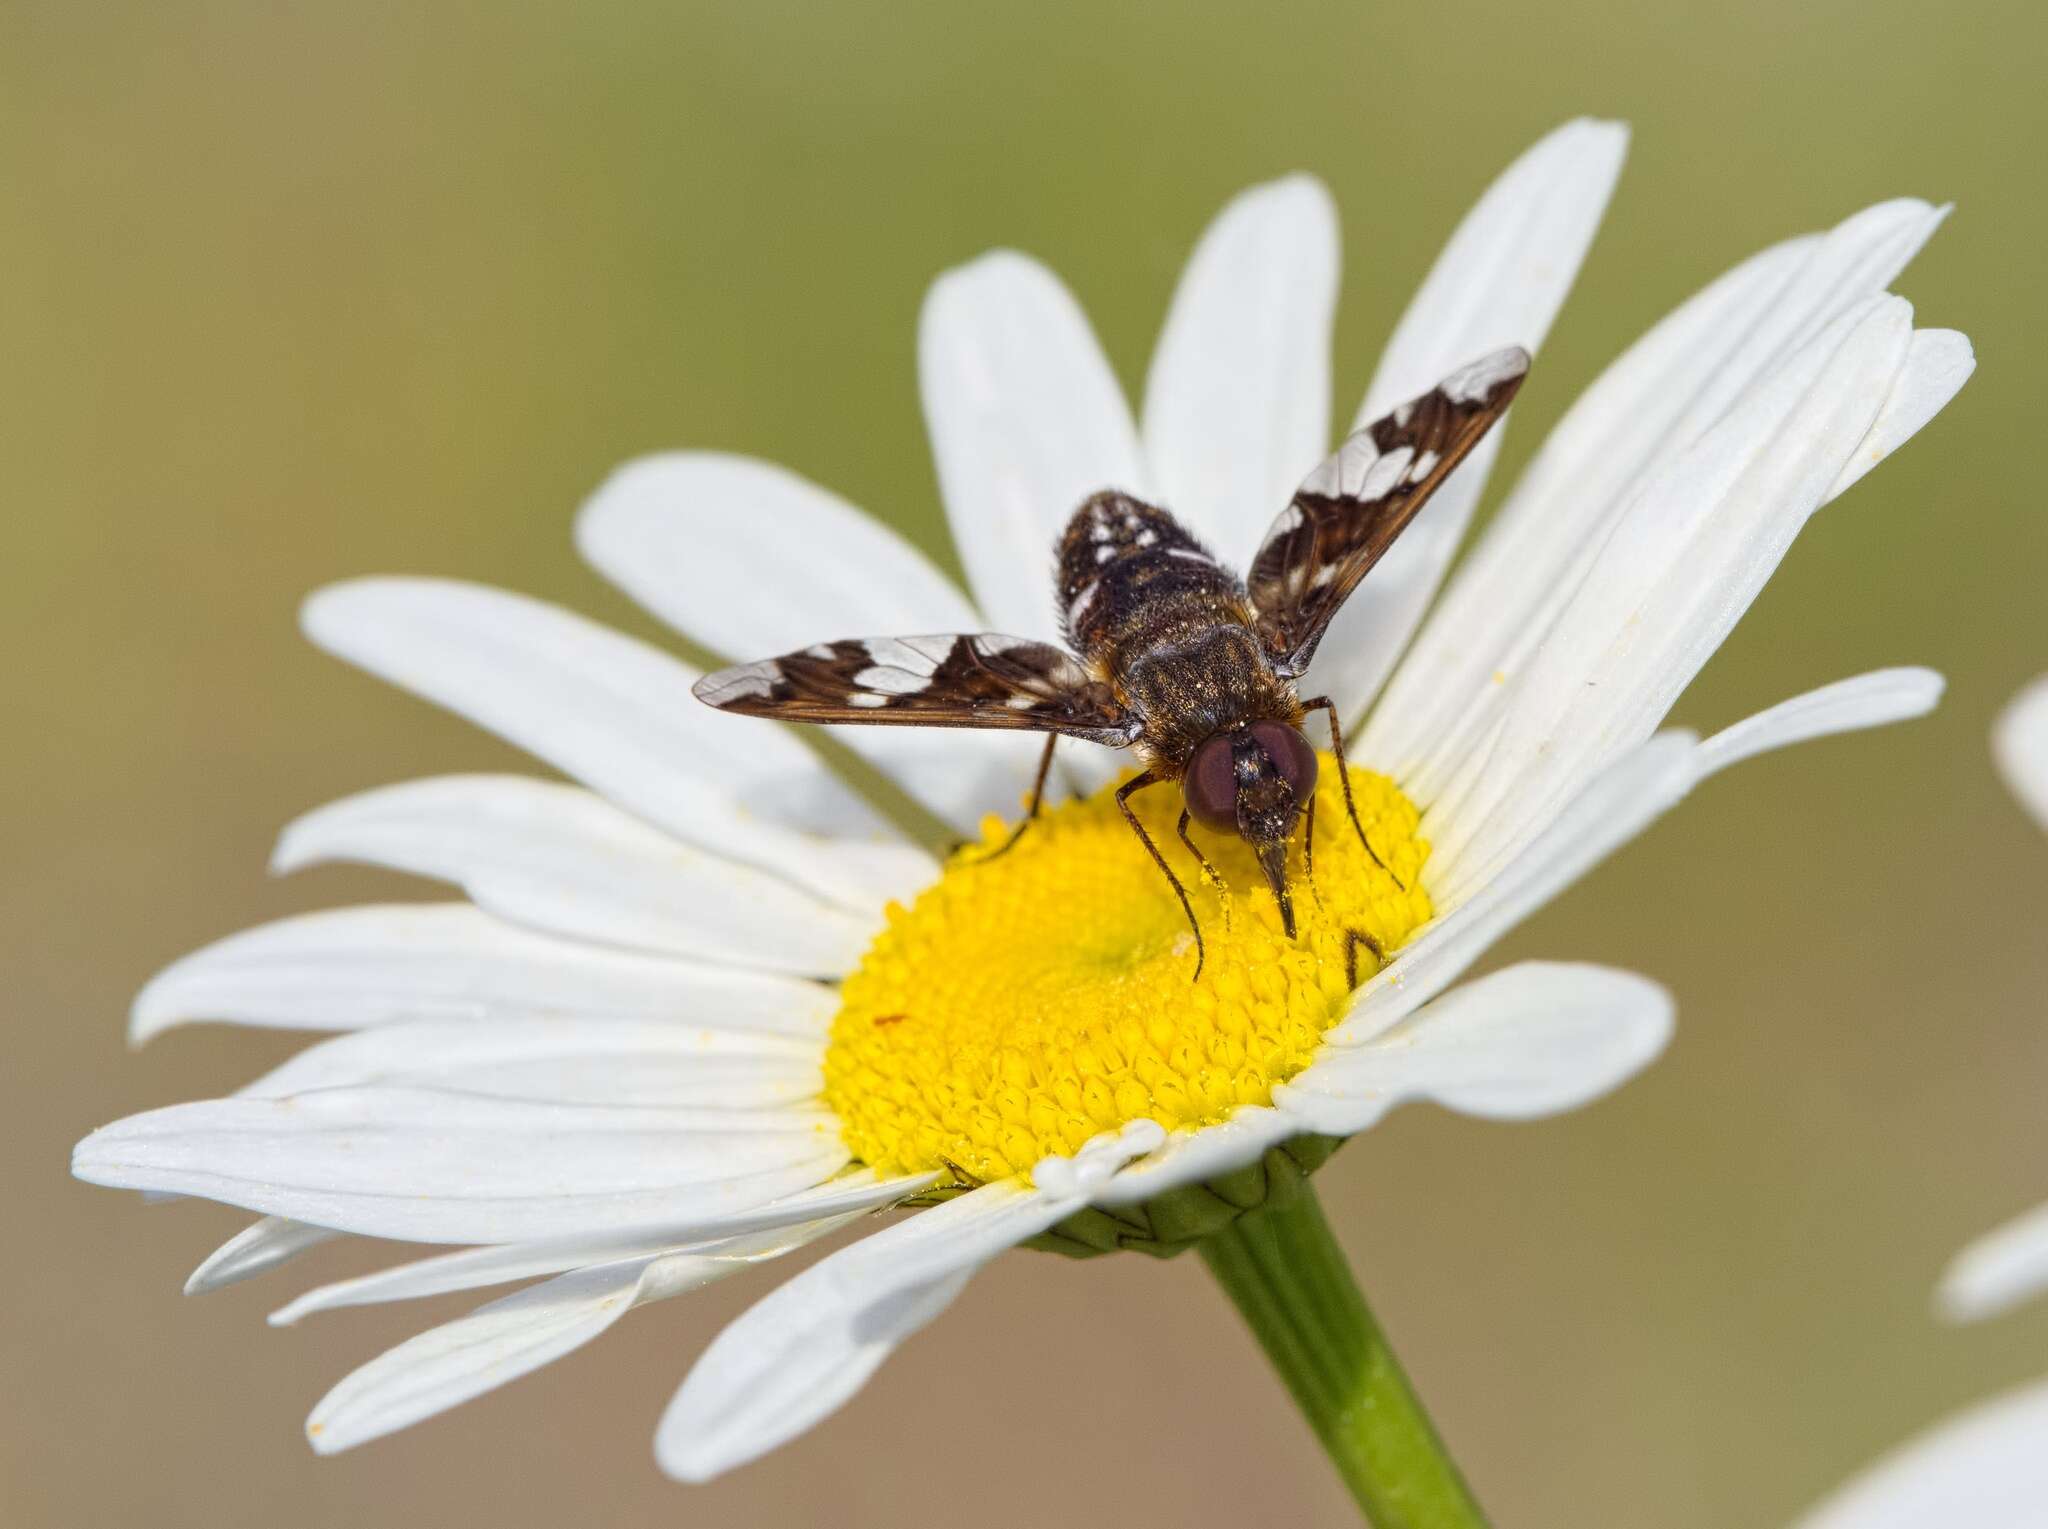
pixel 1287 1275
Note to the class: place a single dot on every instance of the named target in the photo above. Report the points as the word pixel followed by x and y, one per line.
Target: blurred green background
pixel 297 292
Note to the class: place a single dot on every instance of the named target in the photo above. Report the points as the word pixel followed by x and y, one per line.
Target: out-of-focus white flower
pixel 1986 1468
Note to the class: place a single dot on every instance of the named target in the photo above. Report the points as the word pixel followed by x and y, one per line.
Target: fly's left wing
pixel 1349 510
pixel 973 680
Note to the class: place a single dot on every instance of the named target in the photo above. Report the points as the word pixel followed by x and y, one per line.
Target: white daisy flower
pixel 2007 1266
pixel 1986 1467
pixel 701 1007
pixel 2019 743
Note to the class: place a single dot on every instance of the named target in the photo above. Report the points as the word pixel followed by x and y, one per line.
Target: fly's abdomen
pixel 1129 573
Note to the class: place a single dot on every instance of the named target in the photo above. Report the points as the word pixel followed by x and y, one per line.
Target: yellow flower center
pixel 1026 1003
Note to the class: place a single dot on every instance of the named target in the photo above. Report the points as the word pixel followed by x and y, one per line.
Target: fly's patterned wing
pixel 1349 510
pixel 980 680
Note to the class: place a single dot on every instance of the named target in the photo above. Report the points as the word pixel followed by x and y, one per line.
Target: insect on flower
pixel 1178 657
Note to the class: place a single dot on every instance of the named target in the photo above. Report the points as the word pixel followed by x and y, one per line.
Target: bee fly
pixel 1178 657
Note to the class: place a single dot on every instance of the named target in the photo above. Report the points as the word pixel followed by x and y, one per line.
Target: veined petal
pixel 1854 261
pixel 1499 282
pixel 448 1365
pixel 1506 270
pixel 429 1165
pixel 618 715
pixel 849 1195
pixel 750 560
pixel 1869 700
pixel 558 858
pixel 1237 403
pixel 1938 363
pixel 797 1356
pixel 2020 745
pixel 1652 404
pixel 351 968
pixel 565 1061
pixel 1535 1039
pixel 257 1249
pixel 1999 1270
pixel 1668 586
pixel 1984 1468
pixel 801 1352
pixel 1026 420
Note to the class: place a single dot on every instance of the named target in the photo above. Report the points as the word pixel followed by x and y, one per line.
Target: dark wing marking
pixel 1349 510
pixel 980 680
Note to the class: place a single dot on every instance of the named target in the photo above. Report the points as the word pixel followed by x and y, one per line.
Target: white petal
pixel 1986 1468
pixel 1668 586
pixel 692 535
pixel 1195 1156
pixel 849 1195
pixel 618 715
pixel 2020 745
pixel 1499 282
pixel 1999 1270
pixel 1938 363
pixel 452 1364
pixel 1869 700
pixel 428 1165
pixel 448 1365
pixel 1532 1040
pixel 1505 272
pixel 351 968
pixel 1237 403
pixel 1026 420
pixel 255 1250
pixel 1088 1171
pixel 1653 403
pixel 566 1061
pixel 797 1355
pixel 558 858
pixel 1852 262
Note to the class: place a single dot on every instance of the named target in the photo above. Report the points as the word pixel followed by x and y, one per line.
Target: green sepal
pixel 1168 1224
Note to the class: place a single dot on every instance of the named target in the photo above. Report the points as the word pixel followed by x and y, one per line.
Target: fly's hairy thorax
pixel 1166 625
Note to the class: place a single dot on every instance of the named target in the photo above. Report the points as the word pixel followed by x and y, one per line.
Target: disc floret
pixel 1025 1003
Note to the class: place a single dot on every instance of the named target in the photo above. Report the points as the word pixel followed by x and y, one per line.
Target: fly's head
pixel 1253 781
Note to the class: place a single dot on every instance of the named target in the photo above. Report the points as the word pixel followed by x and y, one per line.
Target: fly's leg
pixel 1123 794
pixel 1308 847
pixel 1209 872
pixel 1353 938
pixel 1030 812
pixel 1324 704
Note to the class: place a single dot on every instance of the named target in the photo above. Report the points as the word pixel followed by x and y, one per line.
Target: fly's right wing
pixel 1349 510
pixel 969 680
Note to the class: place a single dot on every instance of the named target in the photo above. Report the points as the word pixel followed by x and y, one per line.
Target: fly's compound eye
pixel 1210 784
pixel 1294 759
